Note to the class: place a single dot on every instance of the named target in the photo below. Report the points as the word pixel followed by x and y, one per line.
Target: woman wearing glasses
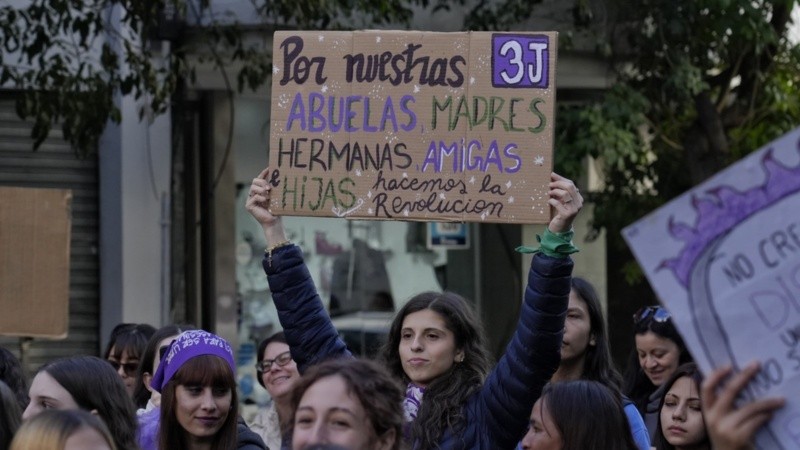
pixel 277 373
pixel 659 350
pixel 125 349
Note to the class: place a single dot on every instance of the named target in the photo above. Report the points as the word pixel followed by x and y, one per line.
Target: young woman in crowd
pixel 64 430
pixel 12 375
pixel 435 344
pixel 578 415
pixel 586 354
pixel 112 337
pixel 277 373
pixel 659 350
pixel 149 400
pixel 10 415
pixel 729 427
pixel 199 405
pixel 351 403
pixel 681 425
pixel 144 396
pixel 90 384
pixel 125 352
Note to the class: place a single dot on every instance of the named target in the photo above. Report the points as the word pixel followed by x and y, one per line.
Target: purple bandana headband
pixel 185 347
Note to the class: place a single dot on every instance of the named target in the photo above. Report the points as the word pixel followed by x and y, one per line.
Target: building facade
pixel 160 233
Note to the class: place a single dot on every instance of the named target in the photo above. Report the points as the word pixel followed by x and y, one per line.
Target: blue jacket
pixel 497 415
pixel 638 429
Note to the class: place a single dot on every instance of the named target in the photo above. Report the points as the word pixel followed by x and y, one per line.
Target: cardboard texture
pixel 34 261
pixel 395 125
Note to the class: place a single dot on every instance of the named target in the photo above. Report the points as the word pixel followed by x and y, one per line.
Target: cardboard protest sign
pixel 724 259
pixel 413 125
pixel 34 261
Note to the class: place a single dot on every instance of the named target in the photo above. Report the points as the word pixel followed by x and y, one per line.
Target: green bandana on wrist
pixel 557 245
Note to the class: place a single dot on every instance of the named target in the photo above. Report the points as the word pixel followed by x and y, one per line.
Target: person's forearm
pixel 274 233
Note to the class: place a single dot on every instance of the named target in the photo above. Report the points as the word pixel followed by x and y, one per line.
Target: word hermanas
pixel 401 68
pixel 317 154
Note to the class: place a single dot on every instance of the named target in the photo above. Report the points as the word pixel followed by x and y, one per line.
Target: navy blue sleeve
pixel 532 356
pixel 308 328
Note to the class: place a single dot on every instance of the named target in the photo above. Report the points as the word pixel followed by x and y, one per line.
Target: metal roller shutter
pixel 55 165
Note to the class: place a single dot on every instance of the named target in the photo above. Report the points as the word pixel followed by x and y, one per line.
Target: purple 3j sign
pixel 520 61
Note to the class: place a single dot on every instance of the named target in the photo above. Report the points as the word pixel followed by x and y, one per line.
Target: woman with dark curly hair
pixel 436 345
pixel 88 383
pixel 352 403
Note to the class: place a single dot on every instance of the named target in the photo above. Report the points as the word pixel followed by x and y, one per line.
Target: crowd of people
pixel 432 386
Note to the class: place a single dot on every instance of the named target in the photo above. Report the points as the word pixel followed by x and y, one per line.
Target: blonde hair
pixel 51 429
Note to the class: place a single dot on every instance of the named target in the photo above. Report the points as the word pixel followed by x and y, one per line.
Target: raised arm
pixel 258 206
pixel 533 354
pixel 308 328
pixel 566 200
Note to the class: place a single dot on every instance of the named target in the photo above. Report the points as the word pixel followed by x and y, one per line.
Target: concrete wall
pixel 135 158
pixel 226 313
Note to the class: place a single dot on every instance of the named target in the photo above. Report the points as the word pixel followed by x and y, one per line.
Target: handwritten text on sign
pixel 413 125
pixel 725 260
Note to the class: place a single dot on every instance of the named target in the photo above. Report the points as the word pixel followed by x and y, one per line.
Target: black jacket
pixel 248 439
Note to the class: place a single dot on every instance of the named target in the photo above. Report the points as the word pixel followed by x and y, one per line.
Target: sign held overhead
pixel 413 125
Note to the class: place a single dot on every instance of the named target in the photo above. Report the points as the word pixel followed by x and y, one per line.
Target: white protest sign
pixel 724 258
